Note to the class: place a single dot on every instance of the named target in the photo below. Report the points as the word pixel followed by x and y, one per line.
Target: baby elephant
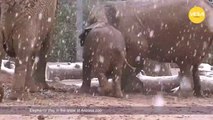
pixel 104 56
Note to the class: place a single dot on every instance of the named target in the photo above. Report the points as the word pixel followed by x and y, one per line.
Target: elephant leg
pixel 125 77
pixel 130 82
pixel 117 73
pixel 186 81
pixel 19 80
pixel 85 87
pixel 2 55
pixel 30 82
pixel 39 73
pixel 105 86
pixel 1 92
pixel 197 84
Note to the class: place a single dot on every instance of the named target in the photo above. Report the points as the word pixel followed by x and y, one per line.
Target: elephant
pixel 26 28
pixel 161 30
pixel 104 56
pixel 1 92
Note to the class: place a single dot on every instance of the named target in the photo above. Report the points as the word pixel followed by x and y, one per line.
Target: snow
pixel 158 100
pixel 20 62
pixel 29 17
pixel 139 34
pixel 151 33
pixel 142 77
pixel 16 15
pixel 65 65
pixel 138 58
pixel 49 19
pixel 40 16
pixel 205 70
pixel 3 68
pixel 205 67
pixel 185 83
pixel 157 68
pixel 78 83
pixel 155 6
pixel 101 59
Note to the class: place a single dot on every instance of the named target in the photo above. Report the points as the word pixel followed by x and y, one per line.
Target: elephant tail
pixel 130 66
pixel 127 63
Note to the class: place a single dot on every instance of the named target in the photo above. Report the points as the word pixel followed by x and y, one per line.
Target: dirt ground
pixel 71 98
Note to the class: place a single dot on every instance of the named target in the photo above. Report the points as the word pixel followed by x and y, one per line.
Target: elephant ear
pixel 24 4
pixel 86 31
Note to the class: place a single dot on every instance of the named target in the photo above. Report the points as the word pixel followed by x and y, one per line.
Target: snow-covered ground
pixel 131 100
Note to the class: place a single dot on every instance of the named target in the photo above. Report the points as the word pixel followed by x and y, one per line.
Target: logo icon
pixel 211 1
pixel 197 15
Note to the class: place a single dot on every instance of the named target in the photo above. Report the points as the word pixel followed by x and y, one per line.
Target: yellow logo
pixel 197 15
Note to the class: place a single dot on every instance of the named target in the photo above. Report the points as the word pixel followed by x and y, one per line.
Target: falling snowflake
pixel 101 59
pixel 40 15
pixel 151 33
pixel 49 19
pixel 138 58
pixel 157 68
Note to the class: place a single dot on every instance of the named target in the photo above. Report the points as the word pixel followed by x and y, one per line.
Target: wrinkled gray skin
pixel 154 68
pixel 1 92
pixel 161 30
pixel 104 57
pixel 26 27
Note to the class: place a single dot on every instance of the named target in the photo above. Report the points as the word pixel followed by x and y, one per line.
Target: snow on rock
pixel 143 78
pixel 205 70
pixel 78 82
pixel 76 65
pixel 10 70
pixel 205 67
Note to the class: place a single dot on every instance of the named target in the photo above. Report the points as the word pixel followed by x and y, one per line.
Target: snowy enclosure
pixel 70 74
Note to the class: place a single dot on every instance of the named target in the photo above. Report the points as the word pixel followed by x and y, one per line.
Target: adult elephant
pixel 26 27
pixel 162 31
pixel 1 92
